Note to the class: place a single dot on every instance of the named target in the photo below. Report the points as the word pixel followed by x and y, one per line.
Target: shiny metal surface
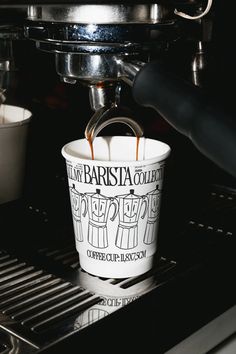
pixel 7 62
pixel 102 14
pixel 89 48
pixel 90 68
pixel 199 63
pixel 95 69
pixel 31 299
pixel 38 308
pixel 207 338
pixel 90 39
pixel 129 70
pixel 102 94
pixel 9 344
pixel 85 34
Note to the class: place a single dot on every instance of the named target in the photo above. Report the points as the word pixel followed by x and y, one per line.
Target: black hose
pixel 190 111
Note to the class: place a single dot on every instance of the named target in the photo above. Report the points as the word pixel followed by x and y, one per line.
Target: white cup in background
pixel 14 122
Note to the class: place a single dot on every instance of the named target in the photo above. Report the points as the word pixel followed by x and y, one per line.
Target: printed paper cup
pixel 115 202
pixel 14 122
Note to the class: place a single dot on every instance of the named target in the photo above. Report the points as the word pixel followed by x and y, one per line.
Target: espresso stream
pixel 92 150
pixel 137 146
pixel 91 146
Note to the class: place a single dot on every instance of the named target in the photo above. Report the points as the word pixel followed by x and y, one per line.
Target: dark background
pixel 60 113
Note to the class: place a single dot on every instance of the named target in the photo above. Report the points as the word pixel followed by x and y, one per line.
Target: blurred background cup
pixel 14 122
pixel 115 202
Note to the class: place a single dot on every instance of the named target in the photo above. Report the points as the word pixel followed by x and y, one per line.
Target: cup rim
pixel 158 158
pixel 20 122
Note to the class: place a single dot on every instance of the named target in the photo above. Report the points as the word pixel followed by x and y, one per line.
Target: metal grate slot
pixel 3 258
pixel 11 269
pixel 28 295
pixel 157 272
pixel 12 289
pixel 72 262
pixel 162 264
pixel 67 256
pixel 77 308
pixel 208 228
pixel 56 308
pixel 218 210
pixel 17 280
pixel 29 312
pixel 14 275
pixel 11 310
pixel 117 281
pixel 19 291
pixel 57 252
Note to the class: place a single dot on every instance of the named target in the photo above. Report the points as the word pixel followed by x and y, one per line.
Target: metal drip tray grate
pixel 38 308
pixel 68 256
pixel 33 302
pixel 45 296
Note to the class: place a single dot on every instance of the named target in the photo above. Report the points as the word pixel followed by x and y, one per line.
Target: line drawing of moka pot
pixel 98 209
pixel 153 215
pixel 90 316
pixel 130 206
pixel 76 205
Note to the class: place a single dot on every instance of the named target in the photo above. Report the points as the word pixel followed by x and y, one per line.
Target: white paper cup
pixel 13 138
pixel 115 203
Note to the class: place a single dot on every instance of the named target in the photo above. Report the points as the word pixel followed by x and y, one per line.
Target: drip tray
pixel 48 297
pixel 45 296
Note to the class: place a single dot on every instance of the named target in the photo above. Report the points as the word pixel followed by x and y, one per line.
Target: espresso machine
pixel 77 65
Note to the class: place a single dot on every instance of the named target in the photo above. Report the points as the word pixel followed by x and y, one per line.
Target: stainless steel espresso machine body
pixel 119 59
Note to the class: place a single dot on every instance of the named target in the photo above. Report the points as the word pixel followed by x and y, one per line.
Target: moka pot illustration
pixel 98 210
pixel 90 316
pixel 153 214
pixel 76 205
pixel 130 206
